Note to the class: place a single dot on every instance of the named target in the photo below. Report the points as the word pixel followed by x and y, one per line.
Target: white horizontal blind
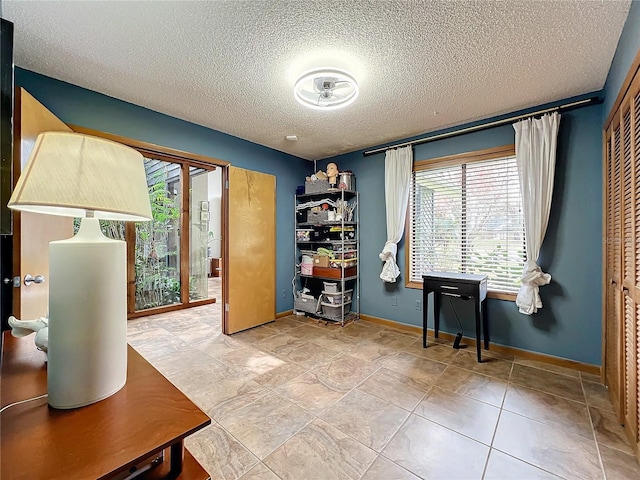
pixel 468 218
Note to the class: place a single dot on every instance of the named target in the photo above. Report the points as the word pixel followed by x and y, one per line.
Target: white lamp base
pixel 87 318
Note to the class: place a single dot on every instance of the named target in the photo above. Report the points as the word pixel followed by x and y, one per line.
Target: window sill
pixel 510 297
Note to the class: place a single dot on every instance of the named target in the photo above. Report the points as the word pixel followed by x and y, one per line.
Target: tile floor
pixel 298 399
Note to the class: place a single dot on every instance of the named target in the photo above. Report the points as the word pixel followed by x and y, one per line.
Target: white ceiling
pixel 231 65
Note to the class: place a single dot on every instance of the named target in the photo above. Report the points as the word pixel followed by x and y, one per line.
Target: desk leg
pixel 425 311
pixel 478 342
pixel 485 324
pixel 436 313
pixel 177 453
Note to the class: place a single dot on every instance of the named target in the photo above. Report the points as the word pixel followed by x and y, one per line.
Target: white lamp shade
pixel 70 173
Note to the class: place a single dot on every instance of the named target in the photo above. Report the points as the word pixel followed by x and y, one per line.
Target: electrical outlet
pixel 284 293
pixel 394 301
pixel 419 305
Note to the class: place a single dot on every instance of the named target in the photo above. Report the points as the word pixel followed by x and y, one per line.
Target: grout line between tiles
pixel 593 430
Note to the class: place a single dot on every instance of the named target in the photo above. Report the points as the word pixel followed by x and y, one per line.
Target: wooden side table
pixel 108 438
pixel 461 285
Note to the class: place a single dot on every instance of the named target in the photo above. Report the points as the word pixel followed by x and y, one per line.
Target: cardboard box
pixel 320 261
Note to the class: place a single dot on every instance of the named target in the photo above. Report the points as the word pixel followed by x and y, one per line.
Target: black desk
pixel 462 285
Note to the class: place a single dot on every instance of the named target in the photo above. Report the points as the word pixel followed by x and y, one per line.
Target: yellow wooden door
pixel 249 275
pixel 33 232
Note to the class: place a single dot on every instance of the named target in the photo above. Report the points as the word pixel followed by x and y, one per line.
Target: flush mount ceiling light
pixel 326 89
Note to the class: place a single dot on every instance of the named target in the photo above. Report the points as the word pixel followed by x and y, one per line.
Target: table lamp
pixel 76 175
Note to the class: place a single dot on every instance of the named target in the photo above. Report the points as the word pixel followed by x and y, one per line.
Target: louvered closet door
pixel 635 160
pixel 613 325
pixel 629 216
pixel 622 257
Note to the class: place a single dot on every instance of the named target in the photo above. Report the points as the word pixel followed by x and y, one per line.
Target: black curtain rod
pixel 497 123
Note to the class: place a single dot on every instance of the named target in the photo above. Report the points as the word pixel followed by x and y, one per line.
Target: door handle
pixel 28 279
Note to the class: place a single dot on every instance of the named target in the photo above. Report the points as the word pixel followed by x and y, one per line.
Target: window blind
pixel 467 218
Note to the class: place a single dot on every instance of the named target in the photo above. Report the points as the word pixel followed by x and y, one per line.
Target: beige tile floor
pixel 298 399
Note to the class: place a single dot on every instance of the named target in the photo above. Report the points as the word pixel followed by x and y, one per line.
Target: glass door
pixel 157 243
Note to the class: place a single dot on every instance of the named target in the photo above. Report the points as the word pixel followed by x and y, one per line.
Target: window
pixel 465 215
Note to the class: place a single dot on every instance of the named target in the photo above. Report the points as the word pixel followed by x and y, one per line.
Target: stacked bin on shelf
pixel 335 303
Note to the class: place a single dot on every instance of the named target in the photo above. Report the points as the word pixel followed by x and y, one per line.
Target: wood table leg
pixel 177 452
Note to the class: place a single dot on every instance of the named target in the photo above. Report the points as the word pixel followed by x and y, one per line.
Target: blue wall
pixel 569 325
pixel 628 47
pixel 78 106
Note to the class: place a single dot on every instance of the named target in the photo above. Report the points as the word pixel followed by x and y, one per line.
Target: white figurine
pixel 22 328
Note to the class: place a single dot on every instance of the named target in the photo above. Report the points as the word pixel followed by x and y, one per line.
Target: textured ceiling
pixel 231 65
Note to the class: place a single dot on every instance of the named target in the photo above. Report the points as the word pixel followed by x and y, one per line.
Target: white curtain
pixel 398 165
pixel 536 141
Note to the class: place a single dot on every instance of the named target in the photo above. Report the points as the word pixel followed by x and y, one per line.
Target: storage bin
pixel 317 217
pixel 335 311
pixel 319 186
pixel 303 234
pixel 337 298
pixel 331 287
pixel 306 266
pixel 305 304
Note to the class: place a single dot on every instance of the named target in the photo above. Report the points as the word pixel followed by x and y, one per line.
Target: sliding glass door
pixel 170 262
pixel 157 243
pixel 199 216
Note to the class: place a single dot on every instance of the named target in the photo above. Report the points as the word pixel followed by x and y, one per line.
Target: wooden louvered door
pixel 628 245
pixel 613 324
pixel 621 356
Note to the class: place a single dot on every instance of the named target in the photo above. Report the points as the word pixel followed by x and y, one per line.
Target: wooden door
pixel 613 327
pixel 249 275
pixel 628 251
pixel 630 282
pixel 33 232
pixel 622 261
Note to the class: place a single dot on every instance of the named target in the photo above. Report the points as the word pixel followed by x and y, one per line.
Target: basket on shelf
pixel 317 217
pixel 305 303
pixel 318 186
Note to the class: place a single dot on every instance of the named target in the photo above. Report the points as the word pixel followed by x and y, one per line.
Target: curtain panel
pixel 398 165
pixel 536 141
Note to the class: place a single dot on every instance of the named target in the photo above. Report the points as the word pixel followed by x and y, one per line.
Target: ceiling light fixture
pixel 326 89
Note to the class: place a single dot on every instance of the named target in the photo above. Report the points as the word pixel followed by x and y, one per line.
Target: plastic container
pixel 331 287
pixel 303 234
pixel 335 311
pixel 305 304
pixel 337 298
pixel 306 267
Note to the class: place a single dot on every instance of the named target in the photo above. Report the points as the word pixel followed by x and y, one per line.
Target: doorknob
pixel 28 279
